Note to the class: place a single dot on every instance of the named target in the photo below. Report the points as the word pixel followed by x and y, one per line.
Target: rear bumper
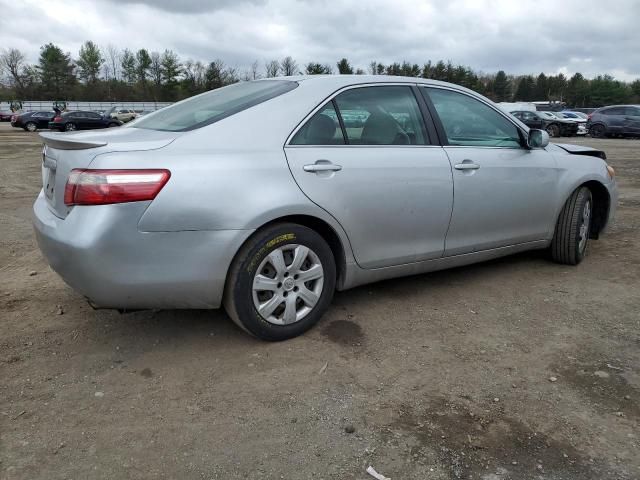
pixel 100 253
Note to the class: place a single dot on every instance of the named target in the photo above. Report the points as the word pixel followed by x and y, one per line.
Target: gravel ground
pixel 513 369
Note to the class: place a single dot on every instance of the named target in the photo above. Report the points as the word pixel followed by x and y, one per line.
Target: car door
pixel 533 120
pixel 504 194
pixel 93 120
pixel 615 119
pixel 42 119
pixel 632 121
pixel 366 158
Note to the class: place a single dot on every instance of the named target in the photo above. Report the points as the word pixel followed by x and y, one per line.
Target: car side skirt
pixel 356 276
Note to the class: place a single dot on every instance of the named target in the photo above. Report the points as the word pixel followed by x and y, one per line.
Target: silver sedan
pixel 267 196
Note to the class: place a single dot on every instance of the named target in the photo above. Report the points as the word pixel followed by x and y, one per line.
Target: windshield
pixel 569 115
pixel 212 106
pixel 548 114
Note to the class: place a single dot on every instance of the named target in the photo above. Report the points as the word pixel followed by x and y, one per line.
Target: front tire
pixel 281 282
pixel 553 130
pixel 570 240
pixel 598 131
pixel 30 127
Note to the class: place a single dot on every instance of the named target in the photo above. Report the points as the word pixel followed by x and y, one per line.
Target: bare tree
pixel 255 74
pixel 272 68
pixel 288 66
pixel 13 62
pixel 113 58
pixel 156 68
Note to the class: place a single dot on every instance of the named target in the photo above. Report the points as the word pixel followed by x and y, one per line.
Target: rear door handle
pixel 322 167
pixel 466 165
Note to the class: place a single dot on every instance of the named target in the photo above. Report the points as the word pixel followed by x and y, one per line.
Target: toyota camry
pixel 267 196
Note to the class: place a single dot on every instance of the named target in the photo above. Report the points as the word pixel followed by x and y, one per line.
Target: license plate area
pixel 50 183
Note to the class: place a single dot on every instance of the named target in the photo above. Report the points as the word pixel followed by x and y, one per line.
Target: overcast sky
pixel 518 36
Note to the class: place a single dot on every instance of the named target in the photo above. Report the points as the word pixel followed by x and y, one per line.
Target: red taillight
pixel 589 116
pixel 103 187
pixel 57 118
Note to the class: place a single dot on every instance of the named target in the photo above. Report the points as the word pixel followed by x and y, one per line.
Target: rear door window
pixel 382 115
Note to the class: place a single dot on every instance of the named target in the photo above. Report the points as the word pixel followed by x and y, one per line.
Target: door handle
pixel 466 165
pixel 322 167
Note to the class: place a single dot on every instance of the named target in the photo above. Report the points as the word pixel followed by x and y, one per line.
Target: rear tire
pixel 70 127
pixel 571 237
pixel 281 282
pixel 111 125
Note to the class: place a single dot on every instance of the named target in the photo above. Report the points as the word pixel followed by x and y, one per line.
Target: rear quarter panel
pixel 231 175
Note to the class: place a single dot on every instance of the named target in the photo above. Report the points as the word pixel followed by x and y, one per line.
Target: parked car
pixel 554 126
pixel 199 205
pixel 69 121
pixel 124 115
pixel 615 120
pixel 32 121
pixel 5 116
pixel 577 119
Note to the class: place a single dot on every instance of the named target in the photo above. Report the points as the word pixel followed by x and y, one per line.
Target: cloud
pixel 518 37
pixel 190 6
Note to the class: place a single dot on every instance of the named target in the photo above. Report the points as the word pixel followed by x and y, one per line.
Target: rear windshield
pixel 212 106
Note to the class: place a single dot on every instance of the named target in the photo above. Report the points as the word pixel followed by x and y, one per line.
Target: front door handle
pixel 466 165
pixel 321 166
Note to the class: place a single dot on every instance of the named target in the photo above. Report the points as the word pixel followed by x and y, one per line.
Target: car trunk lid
pixel 63 152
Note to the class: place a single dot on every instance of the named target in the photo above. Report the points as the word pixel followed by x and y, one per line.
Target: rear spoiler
pixel 64 141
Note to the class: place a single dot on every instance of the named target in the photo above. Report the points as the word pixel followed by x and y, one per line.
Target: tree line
pixel 111 74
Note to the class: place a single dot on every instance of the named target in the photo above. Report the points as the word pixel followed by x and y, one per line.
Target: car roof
pixel 340 81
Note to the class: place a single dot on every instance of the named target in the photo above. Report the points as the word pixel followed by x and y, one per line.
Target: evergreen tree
pixel 143 65
pixel 344 67
pixel 128 66
pixel 89 61
pixel 541 92
pixel 501 87
pixel 56 72
pixel 317 69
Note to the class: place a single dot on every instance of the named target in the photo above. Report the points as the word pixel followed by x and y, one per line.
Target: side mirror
pixel 537 138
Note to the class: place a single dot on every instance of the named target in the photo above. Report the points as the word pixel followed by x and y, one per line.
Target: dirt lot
pixel 440 376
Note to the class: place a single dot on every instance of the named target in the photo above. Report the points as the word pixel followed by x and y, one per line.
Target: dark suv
pixel 555 127
pixel 623 120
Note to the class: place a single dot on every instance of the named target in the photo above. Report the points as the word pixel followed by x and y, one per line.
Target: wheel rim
pixel 597 131
pixel 552 130
pixel 31 127
pixel 584 227
pixel 70 127
pixel 288 284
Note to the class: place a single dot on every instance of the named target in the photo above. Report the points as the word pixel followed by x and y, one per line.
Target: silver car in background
pixel 267 196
